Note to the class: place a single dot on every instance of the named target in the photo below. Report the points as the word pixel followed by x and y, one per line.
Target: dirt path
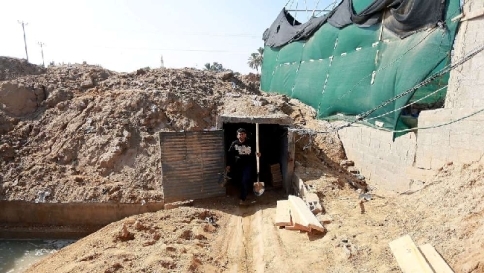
pixel 249 241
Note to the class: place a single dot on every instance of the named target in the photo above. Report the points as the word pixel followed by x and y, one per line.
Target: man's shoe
pixel 243 203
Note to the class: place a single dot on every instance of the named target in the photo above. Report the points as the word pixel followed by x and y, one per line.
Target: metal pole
pixel 25 39
pixel 42 52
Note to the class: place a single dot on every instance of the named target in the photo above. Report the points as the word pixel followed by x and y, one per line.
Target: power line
pixel 169 49
pixel 25 39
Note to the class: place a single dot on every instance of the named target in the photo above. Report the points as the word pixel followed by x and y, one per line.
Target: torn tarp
pixel 402 17
pixel 286 29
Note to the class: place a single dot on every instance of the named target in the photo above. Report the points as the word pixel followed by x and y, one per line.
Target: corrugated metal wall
pixel 191 163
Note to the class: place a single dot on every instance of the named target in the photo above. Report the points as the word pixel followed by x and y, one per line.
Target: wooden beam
pixel 301 214
pixel 436 261
pixel 283 214
pixel 408 256
pixel 298 227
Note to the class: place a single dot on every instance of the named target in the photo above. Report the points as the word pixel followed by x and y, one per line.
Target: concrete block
pixel 423 161
pixel 459 140
pixel 440 139
pixel 478 103
pixel 437 162
pixel 375 144
pixel 468 156
pixel 419 174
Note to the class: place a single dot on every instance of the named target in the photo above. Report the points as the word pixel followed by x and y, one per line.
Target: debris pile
pixel 11 68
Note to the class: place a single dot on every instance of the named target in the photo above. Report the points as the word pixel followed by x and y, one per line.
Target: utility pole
pixel 42 52
pixel 25 39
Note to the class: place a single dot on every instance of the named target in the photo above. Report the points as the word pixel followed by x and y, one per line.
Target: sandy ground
pixel 219 236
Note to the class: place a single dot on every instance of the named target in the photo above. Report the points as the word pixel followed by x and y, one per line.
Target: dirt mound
pixel 82 133
pixel 11 68
pixel 166 241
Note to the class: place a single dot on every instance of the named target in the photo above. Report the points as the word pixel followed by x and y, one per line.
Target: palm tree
pixel 215 66
pixel 255 59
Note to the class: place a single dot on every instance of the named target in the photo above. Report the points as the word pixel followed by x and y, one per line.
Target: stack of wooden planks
pixel 422 259
pixel 276 176
pixel 294 214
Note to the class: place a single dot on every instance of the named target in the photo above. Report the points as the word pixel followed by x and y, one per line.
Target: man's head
pixel 241 134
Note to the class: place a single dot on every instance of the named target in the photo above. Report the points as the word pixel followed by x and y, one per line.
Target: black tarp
pixel 286 29
pixel 402 17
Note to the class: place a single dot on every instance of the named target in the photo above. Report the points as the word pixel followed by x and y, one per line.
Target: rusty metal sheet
pixel 191 163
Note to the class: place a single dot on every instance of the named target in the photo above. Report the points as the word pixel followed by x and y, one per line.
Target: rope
pixel 311 132
pixel 383 67
pixel 431 31
pixel 439 125
pixel 424 82
pixel 405 106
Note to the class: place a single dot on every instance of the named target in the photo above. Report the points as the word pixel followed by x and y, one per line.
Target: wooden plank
pixel 298 227
pixel 283 214
pixel 302 215
pixel 408 256
pixel 436 261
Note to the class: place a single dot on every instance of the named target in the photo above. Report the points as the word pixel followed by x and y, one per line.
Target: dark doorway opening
pixel 273 145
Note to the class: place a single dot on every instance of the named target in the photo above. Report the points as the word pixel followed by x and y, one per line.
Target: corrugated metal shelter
pixel 191 163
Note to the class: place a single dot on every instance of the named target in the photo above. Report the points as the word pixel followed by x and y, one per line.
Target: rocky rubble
pixel 11 68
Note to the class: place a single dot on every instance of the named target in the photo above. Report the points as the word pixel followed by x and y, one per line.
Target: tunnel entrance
pixel 276 146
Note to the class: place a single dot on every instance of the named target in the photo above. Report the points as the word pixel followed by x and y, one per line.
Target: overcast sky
pixel 127 35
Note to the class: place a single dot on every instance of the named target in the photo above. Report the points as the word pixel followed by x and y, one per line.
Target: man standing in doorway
pixel 240 162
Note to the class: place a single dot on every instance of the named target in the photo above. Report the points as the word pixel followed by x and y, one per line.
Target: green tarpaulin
pixel 344 72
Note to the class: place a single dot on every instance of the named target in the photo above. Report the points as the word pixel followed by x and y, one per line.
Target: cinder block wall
pixel 455 138
pixel 462 140
pixel 381 160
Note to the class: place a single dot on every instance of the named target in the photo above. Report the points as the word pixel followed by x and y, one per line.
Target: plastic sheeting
pixel 343 72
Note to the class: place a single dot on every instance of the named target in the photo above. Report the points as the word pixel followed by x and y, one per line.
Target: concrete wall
pixel 381 160
pixel 467 81
pixel 14 213
pixel 459 142
pixel 399 165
